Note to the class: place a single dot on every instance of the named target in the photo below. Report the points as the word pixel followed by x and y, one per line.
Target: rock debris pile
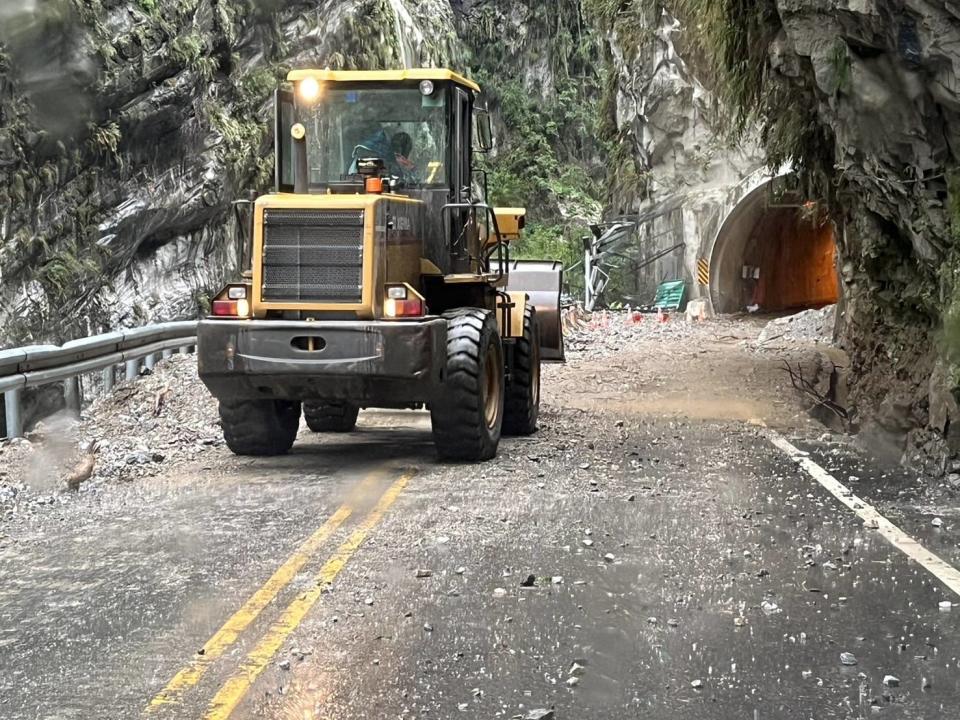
pixel 605 333
pixel 165 418
pixel 141 429
pixel 807 326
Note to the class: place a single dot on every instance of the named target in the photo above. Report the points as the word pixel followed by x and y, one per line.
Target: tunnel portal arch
pixel 772 254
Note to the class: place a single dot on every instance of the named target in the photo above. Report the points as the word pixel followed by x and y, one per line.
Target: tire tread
pixel 327 417
pixel 521 405
pixel 459 428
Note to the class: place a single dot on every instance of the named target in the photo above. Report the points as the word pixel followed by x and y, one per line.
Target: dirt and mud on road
pixel 650 553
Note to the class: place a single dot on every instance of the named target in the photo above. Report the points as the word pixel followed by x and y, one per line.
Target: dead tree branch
pixel 800 383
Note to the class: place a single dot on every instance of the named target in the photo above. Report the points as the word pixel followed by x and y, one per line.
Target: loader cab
pixel 414 130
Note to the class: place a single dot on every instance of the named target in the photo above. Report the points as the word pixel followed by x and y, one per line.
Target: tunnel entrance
pixel 774 255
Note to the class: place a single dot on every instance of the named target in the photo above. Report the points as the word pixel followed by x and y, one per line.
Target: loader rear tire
pixel 259 427
pixel 329 418
pixel 467 416
pixel 522 406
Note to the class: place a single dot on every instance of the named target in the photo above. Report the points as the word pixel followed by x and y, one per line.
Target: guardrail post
pixel 132 369
pixel 150 361
pixel 71 394
pixel 167 354
pixel 11 403
pixel 185 350
pixel 108 378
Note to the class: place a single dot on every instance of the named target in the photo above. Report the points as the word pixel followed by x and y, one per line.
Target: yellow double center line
pixel 233 691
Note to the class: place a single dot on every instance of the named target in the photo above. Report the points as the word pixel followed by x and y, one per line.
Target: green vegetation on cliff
pixel 549 157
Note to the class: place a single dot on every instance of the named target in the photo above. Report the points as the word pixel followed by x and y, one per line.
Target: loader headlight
pixel 237 292
pixel 397 292
pixel 426 87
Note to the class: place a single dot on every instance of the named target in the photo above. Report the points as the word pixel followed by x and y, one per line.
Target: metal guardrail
pixel 38 365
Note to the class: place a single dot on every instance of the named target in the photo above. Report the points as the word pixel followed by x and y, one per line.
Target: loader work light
pixel 426 87
pixel 309 90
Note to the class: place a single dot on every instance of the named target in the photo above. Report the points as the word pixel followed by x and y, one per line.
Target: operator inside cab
pixel 394 150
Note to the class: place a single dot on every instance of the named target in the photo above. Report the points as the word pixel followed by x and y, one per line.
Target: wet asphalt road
pixel 611 566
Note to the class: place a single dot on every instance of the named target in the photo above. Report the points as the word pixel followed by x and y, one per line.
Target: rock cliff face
pixel 863 99
pixel 541 66
pixel 884 79
pixel 674 166
pixel 128 127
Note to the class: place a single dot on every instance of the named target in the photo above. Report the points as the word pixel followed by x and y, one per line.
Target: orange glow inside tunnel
pixel 773 258
pixel 797 260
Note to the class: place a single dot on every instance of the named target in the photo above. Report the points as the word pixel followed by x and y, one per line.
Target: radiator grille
pixel 313 255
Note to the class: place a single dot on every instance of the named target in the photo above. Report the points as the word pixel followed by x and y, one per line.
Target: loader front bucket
pixel 542 281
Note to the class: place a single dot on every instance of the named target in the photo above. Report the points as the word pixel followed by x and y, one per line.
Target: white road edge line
pixel 943 571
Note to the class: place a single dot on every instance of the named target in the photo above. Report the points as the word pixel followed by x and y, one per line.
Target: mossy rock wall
pixel 127 127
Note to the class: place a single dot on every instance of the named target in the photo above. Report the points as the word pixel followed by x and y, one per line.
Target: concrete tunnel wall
pixel 691 220
pixel 795 257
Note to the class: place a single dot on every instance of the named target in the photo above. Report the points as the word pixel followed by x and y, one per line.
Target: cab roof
pixel 383 76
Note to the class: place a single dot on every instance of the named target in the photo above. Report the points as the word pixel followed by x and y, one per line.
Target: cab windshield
pixel 402 127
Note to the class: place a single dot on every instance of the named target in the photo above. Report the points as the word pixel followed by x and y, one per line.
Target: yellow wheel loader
pixel 376 275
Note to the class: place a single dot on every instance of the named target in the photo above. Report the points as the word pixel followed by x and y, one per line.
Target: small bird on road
pixel 82 471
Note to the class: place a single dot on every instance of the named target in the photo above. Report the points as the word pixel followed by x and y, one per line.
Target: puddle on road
pixel 690 406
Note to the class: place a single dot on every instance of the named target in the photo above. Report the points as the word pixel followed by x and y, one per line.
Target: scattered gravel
pixel 167 418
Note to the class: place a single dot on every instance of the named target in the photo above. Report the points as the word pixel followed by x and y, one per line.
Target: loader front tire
pixel 328 418
pixel 522 405
pixel 259 427
pixel 467 415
